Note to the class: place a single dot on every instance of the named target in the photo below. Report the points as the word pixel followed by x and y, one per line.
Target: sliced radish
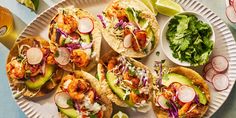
pixel 61 99
pixel 231 14
pixel 220 82
pixel 220 63
pixel 63 57
pixel 210 74
pixel 186 94
pixel 85 25
pixel 207 67
pixel 231 2
pixel 127 40
pixel 162 101
pixel 34 55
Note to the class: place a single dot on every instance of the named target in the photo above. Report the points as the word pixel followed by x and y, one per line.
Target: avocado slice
pixel 70 112
pixel 85 37
pixel 111 80
pixel 41 79
pixel 173 77
pixel 99 72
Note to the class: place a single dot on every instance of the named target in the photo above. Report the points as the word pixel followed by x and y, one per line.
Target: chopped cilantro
pixel 157 53
pixel 70 102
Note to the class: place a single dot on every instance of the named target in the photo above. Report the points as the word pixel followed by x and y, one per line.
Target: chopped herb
pixel 163 61
pixel 19 58
pixel 70 102
pixel 157 53
pixel 93 116
pixel 56 54
pixel 136 92
pixel 131 72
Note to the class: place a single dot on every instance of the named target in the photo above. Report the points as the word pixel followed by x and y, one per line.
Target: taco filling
pixel 175 95
pixel 128 81
pixel 31 63
pixel 130 26
pixel 79 99
pixel 72 37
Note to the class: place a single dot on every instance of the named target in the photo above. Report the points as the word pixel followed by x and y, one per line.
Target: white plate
pixel 225 45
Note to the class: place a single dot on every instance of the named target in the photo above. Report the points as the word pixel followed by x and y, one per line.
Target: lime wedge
pixel 150 4
pixel 32 4
pixel 120 115
pixel 168 7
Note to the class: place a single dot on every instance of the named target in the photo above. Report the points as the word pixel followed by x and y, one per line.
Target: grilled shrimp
pixel 67 23
pixel 112 63
pixel 80 58
pixel 77 88
pixel 15 69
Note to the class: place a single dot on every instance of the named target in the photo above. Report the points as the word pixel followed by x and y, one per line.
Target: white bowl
pixel 166 45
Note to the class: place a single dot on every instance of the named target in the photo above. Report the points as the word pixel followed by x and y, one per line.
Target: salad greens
pixel 189 39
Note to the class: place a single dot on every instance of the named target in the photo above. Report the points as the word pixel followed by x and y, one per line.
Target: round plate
pixel 225 45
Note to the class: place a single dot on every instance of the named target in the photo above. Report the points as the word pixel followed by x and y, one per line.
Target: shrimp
pixel 50 59
pixel 80 58
pixel 67 23
pixel 111 63
pixel 134 80
pixel 91 96
pixel 15 69
pixel 77 88
pixel 140 41
pixel 137 98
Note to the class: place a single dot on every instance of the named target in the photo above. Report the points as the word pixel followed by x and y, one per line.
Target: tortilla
pixel 56 39
pixel 105 87
pixel 198 81
pixel 117 44
pixel 94 84
pixel 18 85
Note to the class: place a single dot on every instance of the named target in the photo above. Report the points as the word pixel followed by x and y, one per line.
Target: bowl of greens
pixel 188 39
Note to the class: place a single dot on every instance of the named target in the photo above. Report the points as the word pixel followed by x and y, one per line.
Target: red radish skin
pixel 63 56
pixel 186 94
pixel 210 74
pixel 207 67
pixel 86 25
pixel 231 2
pixel 230 13
pixel 34 55
pixel 161 100
pixel 220 82
pixel 61 99
pixel 220 63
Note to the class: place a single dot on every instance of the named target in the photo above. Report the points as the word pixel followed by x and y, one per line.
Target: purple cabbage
pixel 196 99
pixel 120 23
pixel 76 105
pixel 102 20
pixel 173 111
pixel 72 46
pixel 87 46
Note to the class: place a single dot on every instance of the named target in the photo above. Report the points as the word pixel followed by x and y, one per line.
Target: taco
pixel 181 92
pixel 75 39
pixel 130 28
pixel 31 67
pixel 125 81
pixel 80 96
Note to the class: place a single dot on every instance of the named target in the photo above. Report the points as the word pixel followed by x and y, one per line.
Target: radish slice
pixel 63 57
pixel 162 101
pixel 186 94
pixel 127 40
pixel 85 25
pixel 61 99
pixel 210 74
pixel 231 2
pixel 220 63
pixel 231 14
pixel 34 56
pixel 220 82
pixel 207 67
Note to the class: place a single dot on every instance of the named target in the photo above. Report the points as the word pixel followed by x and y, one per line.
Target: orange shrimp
pixel 112 63
pixel 80 58
pixel 15 69
pixel 77 88
pixel 67 23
